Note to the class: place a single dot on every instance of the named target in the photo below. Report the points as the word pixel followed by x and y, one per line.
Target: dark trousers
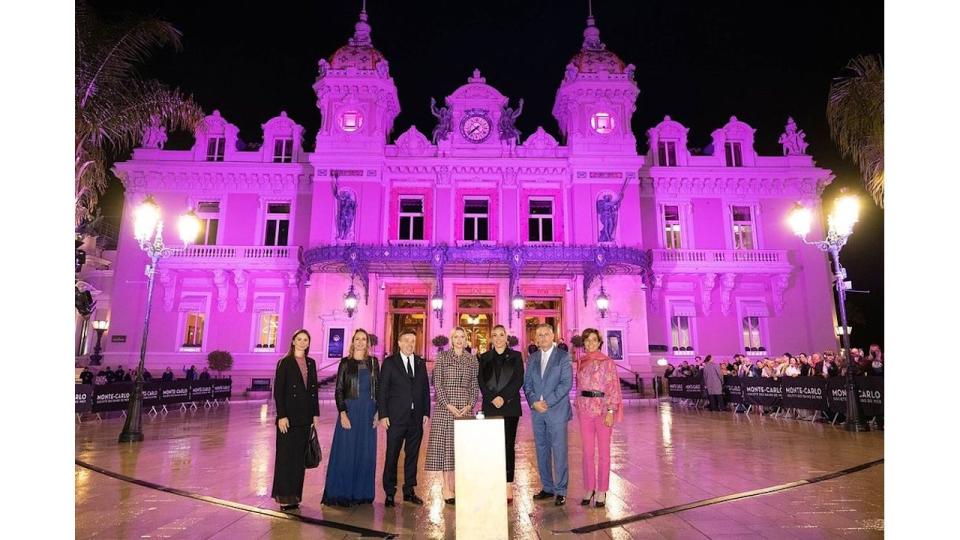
pixel 509 441
pixel 716 402
pixel 408 437
pixel 289 465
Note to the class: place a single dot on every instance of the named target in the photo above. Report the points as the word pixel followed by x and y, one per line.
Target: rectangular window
pixel 680 335
pixel 283 150
pixel 476 218
pixel 733 154
pixel 667 154
pixel 209 214
pixel 752 341
pixel 278 224
pixel 215 146
pixel 671 227
pixel 267 331
pixel 540 221
pixel 742 228
pixel 193 330
pixel 411 219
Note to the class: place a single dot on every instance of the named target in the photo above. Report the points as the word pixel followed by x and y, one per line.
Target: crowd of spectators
pixel 826 364
pixel 110 376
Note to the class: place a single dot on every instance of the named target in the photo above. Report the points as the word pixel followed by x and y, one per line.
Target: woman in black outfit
pixel 501 377
pixel 298 408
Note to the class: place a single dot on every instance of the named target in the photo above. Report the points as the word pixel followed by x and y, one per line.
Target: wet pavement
pixel 663 456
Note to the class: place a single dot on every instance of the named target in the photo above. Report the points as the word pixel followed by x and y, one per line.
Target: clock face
pixel 475 128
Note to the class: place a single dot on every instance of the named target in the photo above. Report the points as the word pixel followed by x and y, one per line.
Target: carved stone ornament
pixel 223 288
pixel 793 141
pixel 779 285
pixel 727 284
pixel 656 285
pixel 413 143
pixel 241 280
pixel 154 135
pixel 707 283
pixel 168 278
pixel 540 144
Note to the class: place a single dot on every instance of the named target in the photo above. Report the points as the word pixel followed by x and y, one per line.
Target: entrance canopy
pixel 477 260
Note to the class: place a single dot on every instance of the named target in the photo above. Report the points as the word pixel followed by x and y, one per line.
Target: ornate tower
pixel 597 99
pixel 356 96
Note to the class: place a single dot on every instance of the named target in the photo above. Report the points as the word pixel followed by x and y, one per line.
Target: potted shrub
pixel 220 361
pixel 512 341
pixel 440 342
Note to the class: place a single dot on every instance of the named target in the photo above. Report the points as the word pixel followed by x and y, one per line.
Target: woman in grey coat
pixel 713 381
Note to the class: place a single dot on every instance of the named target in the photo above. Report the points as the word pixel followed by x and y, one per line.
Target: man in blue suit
pixel 546 383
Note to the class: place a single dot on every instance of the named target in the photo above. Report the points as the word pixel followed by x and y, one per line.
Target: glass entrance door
pixel 407 313
pixel 475 315
pixel 539 311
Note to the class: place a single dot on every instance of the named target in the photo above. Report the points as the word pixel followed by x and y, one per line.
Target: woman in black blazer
pixel 298 408
pixel 501 377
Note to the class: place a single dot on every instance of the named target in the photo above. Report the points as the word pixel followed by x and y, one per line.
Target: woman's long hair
pixel 355 332
pixel 293 349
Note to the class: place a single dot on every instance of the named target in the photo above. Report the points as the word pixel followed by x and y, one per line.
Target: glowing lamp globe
pixel 846 213
pixel 800 220
pixel 145 219
pixel 189 227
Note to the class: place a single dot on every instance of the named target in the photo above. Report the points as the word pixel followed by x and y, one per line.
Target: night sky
pixel 699 62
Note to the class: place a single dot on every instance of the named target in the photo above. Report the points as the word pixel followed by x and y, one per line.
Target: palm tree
pixel 113 103
pixel 855 115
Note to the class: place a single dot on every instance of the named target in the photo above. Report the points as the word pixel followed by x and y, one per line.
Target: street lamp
pixel 148 230
pixel 603 302
pixel 100 327
pixel 437 304
pixel 350 300
pixel 518 303
pixel 846 210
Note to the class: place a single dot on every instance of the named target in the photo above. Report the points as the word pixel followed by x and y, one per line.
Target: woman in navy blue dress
pixel 353 453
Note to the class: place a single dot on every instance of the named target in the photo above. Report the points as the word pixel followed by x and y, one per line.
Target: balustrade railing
pixel 719 256
pixel 236 252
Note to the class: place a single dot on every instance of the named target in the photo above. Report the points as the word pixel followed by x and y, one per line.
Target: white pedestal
pixel 481 479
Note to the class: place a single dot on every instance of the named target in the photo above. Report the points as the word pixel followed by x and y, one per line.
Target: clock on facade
pixel 475 128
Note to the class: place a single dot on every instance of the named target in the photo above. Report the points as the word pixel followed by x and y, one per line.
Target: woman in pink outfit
pixel 598 407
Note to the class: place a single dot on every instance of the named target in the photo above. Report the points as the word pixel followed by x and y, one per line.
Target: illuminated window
pixel 667 154
pixel 278 224
pixel 602 122
pixel 215 147
pixel 680 335
pixel 734 154
pixel 351 121
pixel 742 228
pixel 671 227
pixel 475 219
pixel 283 150
pixel 193 330
pixel 752 341
pixel 209 214
pixel 267 331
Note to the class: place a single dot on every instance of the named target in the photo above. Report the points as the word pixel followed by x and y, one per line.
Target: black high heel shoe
pixel 586 502
pixel 601 504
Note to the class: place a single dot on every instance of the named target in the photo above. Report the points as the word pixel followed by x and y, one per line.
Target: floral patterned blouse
pixel 596 371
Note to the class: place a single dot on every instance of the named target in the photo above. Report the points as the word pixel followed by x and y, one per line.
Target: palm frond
pixel 855 117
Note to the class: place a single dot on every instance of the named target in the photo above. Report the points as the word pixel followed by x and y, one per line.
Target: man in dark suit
pixel 547 382
pixel 403 403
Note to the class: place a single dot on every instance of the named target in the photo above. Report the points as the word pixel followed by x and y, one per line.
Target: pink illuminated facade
pixel 691 250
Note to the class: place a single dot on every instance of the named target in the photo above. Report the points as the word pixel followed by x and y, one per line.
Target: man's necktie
pixel 409 367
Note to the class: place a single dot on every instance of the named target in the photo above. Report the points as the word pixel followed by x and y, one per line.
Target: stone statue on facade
pixel 154 135
pixel 508 117
pixel 346 209
pixel 608 211
pixel 444 121
pixel 793 140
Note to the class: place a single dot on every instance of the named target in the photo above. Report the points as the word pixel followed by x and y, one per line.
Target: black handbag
pixel 313 454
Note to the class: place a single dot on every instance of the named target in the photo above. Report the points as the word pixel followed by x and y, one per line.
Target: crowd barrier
pixel 156 394
pixel 810 393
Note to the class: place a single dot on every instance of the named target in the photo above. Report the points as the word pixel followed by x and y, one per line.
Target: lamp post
pixel 603 302
pixel 437 304
pixel 148 229
pixel 100 326
pixel 518 303
pixel 350 300
pixel 840 222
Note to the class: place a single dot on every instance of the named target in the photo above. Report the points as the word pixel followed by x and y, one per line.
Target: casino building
pixel 669 253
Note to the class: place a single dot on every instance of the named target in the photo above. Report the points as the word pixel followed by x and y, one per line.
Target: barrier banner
pixel 732 389
pixel 201 391
pixel 871 396
pixel 151 394
pixel 175 392
pixel 222 388
pixel 83 398
pixel 804 393
pixel 686 387
pixel 762 391
pixel 111 397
